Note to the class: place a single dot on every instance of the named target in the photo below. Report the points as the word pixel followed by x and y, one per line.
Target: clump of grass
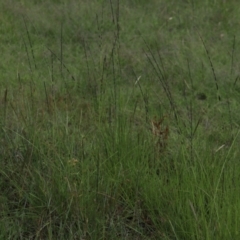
pixel 110 135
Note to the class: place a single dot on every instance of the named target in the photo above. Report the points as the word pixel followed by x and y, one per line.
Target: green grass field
pixel 119 119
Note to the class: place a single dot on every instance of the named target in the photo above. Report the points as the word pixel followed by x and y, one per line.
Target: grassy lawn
pixel 119 119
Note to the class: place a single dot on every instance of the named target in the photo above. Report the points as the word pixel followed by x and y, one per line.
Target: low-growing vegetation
pixel 119 119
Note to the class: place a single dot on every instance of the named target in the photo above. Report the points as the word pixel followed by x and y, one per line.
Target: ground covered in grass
pixel 119 119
